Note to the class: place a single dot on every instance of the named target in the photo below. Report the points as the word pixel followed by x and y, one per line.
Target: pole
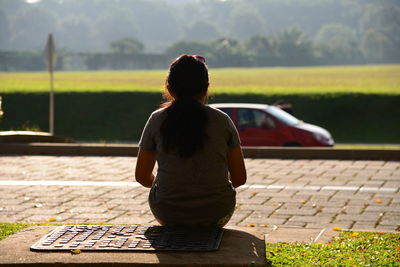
pixel 50 65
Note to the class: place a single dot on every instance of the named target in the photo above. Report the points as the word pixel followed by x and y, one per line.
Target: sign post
pixel 50 56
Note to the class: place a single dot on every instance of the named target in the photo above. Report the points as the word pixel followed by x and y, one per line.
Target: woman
pixel 197 150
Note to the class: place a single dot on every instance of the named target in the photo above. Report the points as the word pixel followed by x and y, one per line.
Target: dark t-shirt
pixel 194 190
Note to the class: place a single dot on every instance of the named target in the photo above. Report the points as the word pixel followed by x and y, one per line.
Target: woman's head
pixel 187 77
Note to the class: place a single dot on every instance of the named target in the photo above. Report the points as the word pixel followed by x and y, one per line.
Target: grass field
pixel 375 79
pixel 368 146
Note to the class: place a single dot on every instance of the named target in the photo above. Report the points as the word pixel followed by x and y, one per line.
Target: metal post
pixel 51 118
pixel 50 65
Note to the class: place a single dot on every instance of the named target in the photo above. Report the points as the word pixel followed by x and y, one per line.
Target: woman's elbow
pixel 238 181
pixel 138 179
pixel 141 179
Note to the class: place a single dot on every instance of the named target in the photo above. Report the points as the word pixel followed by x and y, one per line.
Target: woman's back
pixel 198 185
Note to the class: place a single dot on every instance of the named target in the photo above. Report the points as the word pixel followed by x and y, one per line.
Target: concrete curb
pixel 321 153
pixel 73 149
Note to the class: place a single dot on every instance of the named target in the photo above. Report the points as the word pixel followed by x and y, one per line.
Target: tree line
pixel 93 34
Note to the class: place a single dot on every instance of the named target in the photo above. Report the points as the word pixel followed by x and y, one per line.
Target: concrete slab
pixel 239 247
pixel 30 136
pixel 308 153
pixel 292 235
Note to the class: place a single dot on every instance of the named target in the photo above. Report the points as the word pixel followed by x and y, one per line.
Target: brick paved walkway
pixel 362 195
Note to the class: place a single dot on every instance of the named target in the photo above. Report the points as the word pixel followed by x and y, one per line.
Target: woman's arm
pixel 144 167
pixel 236 166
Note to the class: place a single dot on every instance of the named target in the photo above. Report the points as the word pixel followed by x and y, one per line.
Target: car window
pixel 228 111
pixel 283 116
pixel 254 118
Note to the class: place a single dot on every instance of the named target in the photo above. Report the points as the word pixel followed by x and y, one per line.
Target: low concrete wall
pixel 249 152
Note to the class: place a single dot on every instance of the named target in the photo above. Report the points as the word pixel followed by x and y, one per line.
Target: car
pixel 268 125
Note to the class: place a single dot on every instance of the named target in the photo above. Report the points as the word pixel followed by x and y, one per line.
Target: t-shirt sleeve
pixel 147 141
pixel 233 140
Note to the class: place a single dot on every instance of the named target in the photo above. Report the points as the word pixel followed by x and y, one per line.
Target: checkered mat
pixel 130 238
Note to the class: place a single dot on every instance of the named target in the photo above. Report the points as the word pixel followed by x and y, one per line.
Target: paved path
pixel 361 195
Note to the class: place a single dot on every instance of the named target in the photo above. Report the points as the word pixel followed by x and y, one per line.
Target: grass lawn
pixel 7 229
pixel 349 249
pixel 368 146
pixel 375 79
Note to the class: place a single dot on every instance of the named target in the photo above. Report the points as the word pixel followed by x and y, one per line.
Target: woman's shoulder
pixel 158 112
pixel 216 113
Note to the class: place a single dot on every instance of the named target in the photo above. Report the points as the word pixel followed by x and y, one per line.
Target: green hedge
pixel 121 116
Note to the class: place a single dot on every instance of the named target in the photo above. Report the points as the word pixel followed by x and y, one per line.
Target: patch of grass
pixel 368 146
pixel 349 249
pixel 378 79
pixel 7 229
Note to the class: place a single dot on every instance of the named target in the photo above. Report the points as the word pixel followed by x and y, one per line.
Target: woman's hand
pixel 236 166
pixel 144 167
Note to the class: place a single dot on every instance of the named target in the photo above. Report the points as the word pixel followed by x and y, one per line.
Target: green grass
pixel 349 249
pixel 368 146
pixel 7 229
pixel 376 79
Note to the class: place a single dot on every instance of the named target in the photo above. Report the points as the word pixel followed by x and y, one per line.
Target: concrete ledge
pixel 30 136
pixel 321 153
pixel 68 149
pixel 249 152
pixel 239 247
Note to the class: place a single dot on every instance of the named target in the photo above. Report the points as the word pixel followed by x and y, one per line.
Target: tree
pixel 158 23
pixel 228 52
pixel 337 44
pixel 380 26
pixel 117 23
pixel 262 50
pixel 126 46
pixel 246 23
pixel 74 33
pixel 294 48
pixel 187 47
pixel 201 31
pixel 376 46
pixel 4 30
pixel 30 27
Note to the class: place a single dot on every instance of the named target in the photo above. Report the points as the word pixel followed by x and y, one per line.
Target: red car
pixel 266 125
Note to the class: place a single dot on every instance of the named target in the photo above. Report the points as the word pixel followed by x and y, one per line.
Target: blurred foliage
pixel 231 33
pixel 121 116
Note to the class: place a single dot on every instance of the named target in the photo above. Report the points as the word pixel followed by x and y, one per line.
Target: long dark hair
pixel 184 129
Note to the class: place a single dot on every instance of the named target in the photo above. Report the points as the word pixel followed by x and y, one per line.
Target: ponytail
pixel 183 132
pixel 184 129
